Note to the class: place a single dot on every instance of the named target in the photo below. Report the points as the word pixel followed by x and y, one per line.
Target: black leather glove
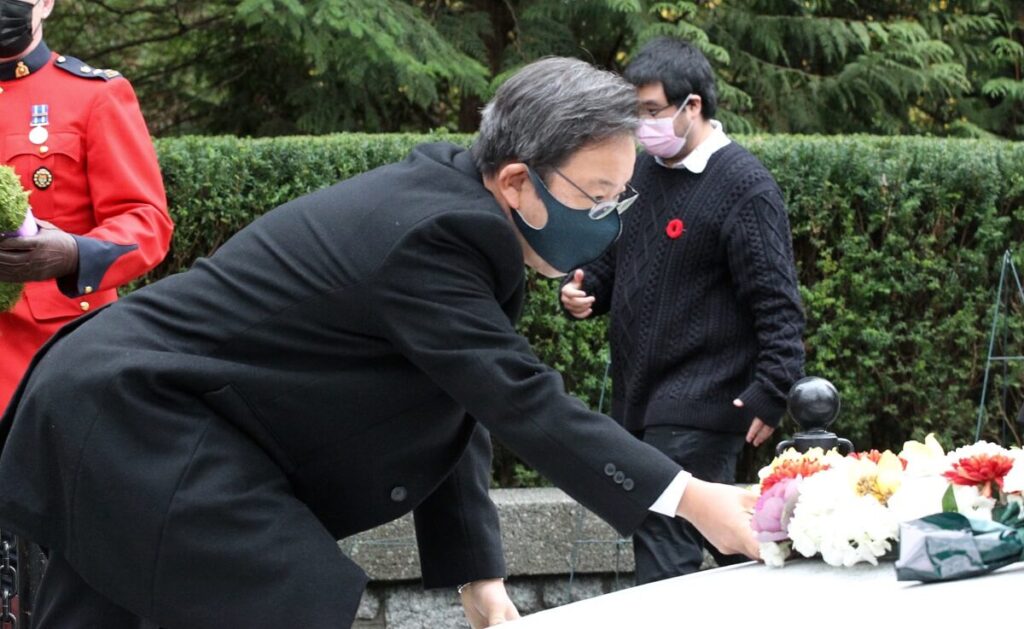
pixel 50 253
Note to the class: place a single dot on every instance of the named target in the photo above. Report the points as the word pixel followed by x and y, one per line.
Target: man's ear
pixel 696 104
pixel 511 180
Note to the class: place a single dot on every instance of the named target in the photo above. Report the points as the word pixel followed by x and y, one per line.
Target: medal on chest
pixel 40 120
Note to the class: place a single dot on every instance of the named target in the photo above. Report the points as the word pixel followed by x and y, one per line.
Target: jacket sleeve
pixel 133 228
pixel 439 296
pixel 457 528
pixel 760 255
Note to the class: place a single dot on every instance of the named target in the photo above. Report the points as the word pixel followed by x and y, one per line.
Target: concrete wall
pixel 557 552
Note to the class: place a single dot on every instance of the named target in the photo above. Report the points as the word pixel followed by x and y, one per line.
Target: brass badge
pixel 21 70
pixel 43 178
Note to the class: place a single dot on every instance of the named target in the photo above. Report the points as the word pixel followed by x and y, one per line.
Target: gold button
pixel 1 90
pixel 88 290
pixel 44 149
pixel 61 59
pixel 84 306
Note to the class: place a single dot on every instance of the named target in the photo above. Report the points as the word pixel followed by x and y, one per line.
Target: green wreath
pixel 13 207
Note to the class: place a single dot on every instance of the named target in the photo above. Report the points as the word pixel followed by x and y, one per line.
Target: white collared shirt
pixel 668 502
pixel 698 158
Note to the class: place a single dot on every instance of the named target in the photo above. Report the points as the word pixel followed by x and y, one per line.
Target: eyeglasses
pixel 652 112
pixel 601 209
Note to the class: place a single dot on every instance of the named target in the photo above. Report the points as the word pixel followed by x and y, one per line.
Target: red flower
pixel 675 228
pixel 874 456
pixel 791 469
pixel 981 470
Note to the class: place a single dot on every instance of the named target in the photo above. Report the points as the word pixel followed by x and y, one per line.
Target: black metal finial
pixel 814 404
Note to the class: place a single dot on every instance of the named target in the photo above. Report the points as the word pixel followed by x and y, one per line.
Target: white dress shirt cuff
pixel 668 502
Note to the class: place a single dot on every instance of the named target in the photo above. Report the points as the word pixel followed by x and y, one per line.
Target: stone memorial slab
pixel 805 593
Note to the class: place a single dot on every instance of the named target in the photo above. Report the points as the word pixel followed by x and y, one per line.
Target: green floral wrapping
pixel 948 546
pixel 13 206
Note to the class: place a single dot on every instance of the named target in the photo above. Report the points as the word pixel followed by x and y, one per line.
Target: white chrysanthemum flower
pixel 1013 482
pixel 970 502
pixel 981 447
pixel 774 554
pixel 832 519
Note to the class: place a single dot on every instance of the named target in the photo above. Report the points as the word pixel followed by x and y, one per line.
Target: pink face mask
pixel 658 135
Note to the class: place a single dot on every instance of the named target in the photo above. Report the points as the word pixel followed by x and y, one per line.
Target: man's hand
pixel 50 253
pixel 574 299
pixel 759 431
pixel 486 603
pixel 722 515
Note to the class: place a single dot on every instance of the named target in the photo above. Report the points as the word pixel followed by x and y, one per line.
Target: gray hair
pixel 550 109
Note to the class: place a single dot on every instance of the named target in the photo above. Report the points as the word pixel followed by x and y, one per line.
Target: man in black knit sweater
pixel 706 320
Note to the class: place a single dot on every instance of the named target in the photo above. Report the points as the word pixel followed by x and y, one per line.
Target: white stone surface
pixel 804 593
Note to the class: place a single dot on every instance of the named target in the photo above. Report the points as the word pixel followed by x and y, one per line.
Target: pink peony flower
pixel 774 508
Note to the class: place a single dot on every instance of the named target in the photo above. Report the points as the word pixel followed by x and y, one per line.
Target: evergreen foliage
pixel 274 67
pixel 13 206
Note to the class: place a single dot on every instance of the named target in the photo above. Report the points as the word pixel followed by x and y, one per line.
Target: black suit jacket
pixel 358 336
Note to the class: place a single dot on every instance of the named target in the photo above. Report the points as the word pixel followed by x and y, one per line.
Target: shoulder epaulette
pixel 81 69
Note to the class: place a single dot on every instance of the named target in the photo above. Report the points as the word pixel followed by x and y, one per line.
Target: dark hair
pixel 550 109
pixel 679 67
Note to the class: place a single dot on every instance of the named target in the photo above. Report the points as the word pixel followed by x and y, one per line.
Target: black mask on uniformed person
pixel 15 27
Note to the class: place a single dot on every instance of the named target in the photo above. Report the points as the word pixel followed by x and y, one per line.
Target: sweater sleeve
pixel 598 281
pixel 760 255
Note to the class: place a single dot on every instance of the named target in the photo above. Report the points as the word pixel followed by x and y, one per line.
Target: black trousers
pixel 667 547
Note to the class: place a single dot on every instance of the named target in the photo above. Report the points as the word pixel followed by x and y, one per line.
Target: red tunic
pixel 95 175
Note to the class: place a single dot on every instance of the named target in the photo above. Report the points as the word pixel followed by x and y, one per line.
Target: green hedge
pixel 897 240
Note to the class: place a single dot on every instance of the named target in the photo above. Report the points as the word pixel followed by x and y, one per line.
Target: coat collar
pixel 27 65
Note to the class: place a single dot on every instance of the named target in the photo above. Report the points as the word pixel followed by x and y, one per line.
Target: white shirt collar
pixel 698 158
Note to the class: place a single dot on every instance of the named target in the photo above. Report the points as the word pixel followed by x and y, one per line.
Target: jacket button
pixel 399 494
pixel 628 484
pixel 619 477
pixel 609 470
pixel 84 306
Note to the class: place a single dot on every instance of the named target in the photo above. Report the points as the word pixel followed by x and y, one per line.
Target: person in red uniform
pixel 76 137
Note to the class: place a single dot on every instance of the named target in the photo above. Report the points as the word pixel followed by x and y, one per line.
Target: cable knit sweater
pixel 711 314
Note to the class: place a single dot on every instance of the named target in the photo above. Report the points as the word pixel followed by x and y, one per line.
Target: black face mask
pixel 15 27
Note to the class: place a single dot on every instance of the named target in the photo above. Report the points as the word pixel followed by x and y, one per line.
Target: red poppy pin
pixel 675 228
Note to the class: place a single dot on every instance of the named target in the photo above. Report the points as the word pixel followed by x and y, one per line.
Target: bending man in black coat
pixel 190 454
